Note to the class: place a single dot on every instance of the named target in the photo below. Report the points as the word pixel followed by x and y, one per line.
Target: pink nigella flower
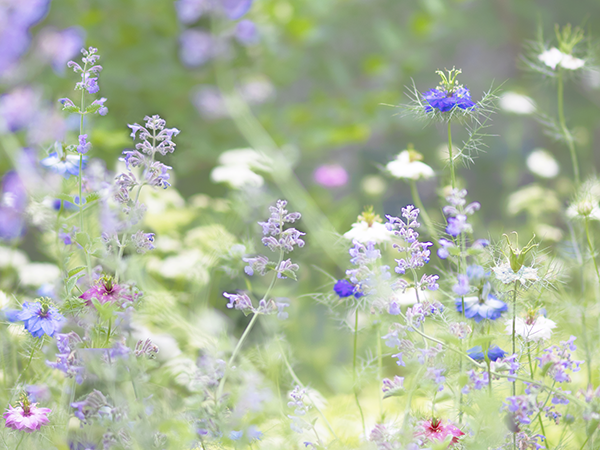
pixel 107 291
pixel 26 416
pixel 434 429
pixel 331 175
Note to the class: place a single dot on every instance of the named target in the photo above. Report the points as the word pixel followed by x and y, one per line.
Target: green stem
pixel 587 439
pixel 591 247
pixel 451 158
pixel 419 204
pixel 514 321
pixel 354 372
pixel 565 130
pixel 299 383
pixel 379 368
pixel 21 440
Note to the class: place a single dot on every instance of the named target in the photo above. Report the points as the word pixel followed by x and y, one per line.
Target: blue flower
pixel 478 309
pixel 66 166
pixel 443 100
pixel 38 318
pixel 345 288
pixel 494 353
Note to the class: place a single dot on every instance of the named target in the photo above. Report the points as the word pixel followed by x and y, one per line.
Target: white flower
pixel 543 164
pixel 505 274
pixel 409 297
pixel 12 257
pixel 572 63
pixel 551 57
pixel 532 330
pixel 584 208
pixel 406 165
pixel 364 232
pixel 554 57
pixel 244 157
pixel 36 274
pixel 236 176
pixel 517 103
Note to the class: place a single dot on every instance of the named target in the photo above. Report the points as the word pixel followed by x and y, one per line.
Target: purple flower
pixel 83 146
pixel 39 318
pixel 444 100
pixel 59 46
pixel 331 175
pixel 197 47
pixel 345 288
pixel 236 9
pixel 245 32
pixel 493 353
pixel 189 11
pixel 103 110
pixel 106 291
pixel 479 308
pixel 239 301
pixel 462 287
pixel 19 108
pixel 26 417
pixel 143 241
pixel 445 244
pixel 458 225
pixel 66 358
pixel 556 361
pixel 392 385
pixel 13 201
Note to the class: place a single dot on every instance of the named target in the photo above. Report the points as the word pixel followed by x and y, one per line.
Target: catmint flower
pixel 67 360
pixel 39 318
pixel 196 47
pixel 436 375
pixel 532 328
pixel 65 165
pixel 258 263
pixel 13 203
pixel 477 381
pixel 102 110
pixel 246 32
pixel 331 175
pixel 143 241
pixel 298 424
pixel 68 237
pixel 157 175
pixel 236 9
pixel 393 386
pixel 521 407
pixel 240 301
pixel 36 393
pixel 445 247
pixel 94 404
pixel 275 236
pixel 146 348
pixel 462 287
pixel 408 165
pixel 556 360
pixel 435 430
pixel 493 353
pixel 460 329
pixel 448 95
pixel 89 82
pixel 161 137
pixel 83 146
pixel 26 416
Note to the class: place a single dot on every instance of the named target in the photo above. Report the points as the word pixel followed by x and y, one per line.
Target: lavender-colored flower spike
pixel 236 9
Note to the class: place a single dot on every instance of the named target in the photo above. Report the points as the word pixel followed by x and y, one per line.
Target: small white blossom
pixel 584 208
pixel 236 176
pixel 406 166
pixel 364 232
pixel 36 274
pixel 516 103
pixel 542 163
pixel 505 274
pixel 555 57
pixel 532 329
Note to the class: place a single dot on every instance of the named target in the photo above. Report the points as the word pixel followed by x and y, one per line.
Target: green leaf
pixel 290 274
pixel 83 239
pixel 71 283
pixel 75 271
pixel 92 197
pixel 397 392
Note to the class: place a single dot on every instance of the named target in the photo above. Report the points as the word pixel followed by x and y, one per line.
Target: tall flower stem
pixel 354 372
pixel 591 247
pixel 565 130
pixel 514 324
pixel 20 440
pixel 417 200
pixel 79 175
pixel 379 368
pixel 450 157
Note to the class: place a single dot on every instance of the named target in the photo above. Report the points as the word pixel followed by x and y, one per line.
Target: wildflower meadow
pixel 308 224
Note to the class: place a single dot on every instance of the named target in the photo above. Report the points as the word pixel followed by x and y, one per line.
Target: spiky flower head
pixel 39 317
pixel 26 416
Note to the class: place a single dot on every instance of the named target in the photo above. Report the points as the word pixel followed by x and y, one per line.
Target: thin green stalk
pixel 452 176
pixel 587 439
pixel 565 130
pixel 354 371
pixel 514 321
pixel 419 204
pixel 591 247
pixel 21 440
pixel 299 383
pixel 379 368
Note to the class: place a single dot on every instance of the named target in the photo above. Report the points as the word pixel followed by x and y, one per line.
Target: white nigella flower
pixel 238 168
pixel 555 57
pixel 532 329
pixel 506 275
pixel 368 228
pixel 408 165
pixel 36 274
pixel 542 163
pixel 516 103
pixel 584 208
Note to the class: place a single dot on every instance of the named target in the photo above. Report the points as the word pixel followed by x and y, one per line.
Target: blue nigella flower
pixel 66 166
pixel 484 307
pixel 345 288
pixel 443 100
pixel 494 353
pixel 38 318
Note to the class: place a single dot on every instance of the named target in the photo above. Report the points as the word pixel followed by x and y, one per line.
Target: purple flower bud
pixel 83 146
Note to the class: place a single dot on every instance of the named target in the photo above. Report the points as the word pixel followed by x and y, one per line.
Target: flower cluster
pixel 67 358
pixel 277 238
pixel 417 253
pixel 298 423
pixel 556 360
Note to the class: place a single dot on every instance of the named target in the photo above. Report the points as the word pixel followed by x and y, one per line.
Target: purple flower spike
pixel 246 33
pixel 83 146
pixel 236 9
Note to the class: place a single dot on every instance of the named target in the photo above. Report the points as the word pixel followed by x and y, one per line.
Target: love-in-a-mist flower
pixel 368 228
pixel 448 95
pixel 39 317
pixel 483 306
pixel 26 416
pixel 562 56
pixel 436 430
pixel 345 288
pixel 63 164
pixel 107 291
pixel 532 328
pixel 541 163
pixel 493 353
pixel 408 165
pixel 515 103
